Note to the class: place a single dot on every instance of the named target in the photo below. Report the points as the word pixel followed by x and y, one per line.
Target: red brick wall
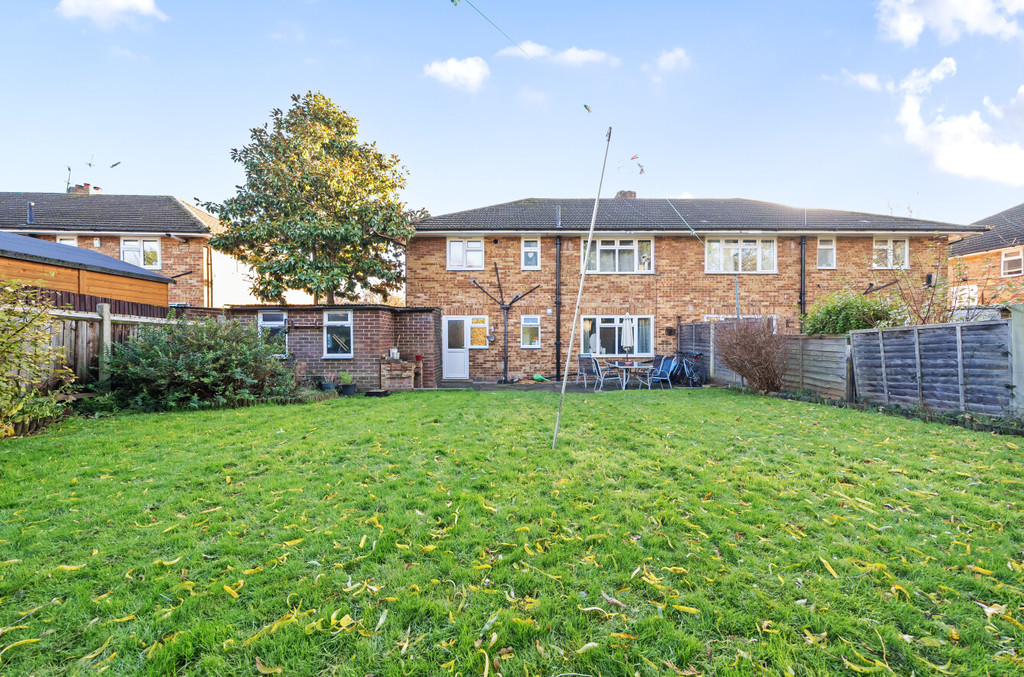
pixel 984 270
pixel 175 258
pixel 679 287
pixel 374 331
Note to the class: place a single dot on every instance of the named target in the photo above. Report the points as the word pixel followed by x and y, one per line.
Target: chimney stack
pixel 30 216
pixel 80 189
pixel 630 194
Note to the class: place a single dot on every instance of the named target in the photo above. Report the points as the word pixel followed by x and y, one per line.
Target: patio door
pixel 455 347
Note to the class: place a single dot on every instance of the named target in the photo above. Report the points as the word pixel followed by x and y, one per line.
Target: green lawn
pixel 438 533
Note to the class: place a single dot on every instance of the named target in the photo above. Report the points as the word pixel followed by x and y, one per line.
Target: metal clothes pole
pixel 579 293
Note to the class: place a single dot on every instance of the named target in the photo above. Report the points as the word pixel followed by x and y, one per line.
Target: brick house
pixel 354 338
pixel 649 271
pixel 988 268
pixel 157 232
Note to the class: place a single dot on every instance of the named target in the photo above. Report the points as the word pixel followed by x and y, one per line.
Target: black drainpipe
pixel 803 277
pixel 558 298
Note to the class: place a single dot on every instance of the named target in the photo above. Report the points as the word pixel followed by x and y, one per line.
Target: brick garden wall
pixel 679 287
pixel 175 258
pixel 375 329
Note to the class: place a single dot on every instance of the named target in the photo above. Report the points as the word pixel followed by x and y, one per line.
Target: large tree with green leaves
pixel 319 210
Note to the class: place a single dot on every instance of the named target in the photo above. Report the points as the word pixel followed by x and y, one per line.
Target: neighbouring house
pixel 358 339
pixel 655 262
pixel 159 233
pixel 988 268
pixel 73 269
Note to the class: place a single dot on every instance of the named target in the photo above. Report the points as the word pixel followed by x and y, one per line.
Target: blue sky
pixel 902 106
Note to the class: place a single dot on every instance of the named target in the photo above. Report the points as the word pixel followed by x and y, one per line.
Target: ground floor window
pixel 614 335
pixel 338 333
pixel 273 324
pixel 478 331
pixel 529 331
pixel 964 296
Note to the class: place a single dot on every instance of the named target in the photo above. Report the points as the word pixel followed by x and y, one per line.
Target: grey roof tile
pixel 705 215
pixel 27 248
pixel 114 213
pixel 1006 230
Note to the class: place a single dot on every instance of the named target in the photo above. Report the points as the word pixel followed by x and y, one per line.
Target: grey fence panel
pixel 818 364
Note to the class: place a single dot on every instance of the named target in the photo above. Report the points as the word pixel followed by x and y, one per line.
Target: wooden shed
pixel 66 268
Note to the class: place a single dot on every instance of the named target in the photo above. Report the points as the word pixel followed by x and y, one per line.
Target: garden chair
pixel 585 368
pixel 605 374
pixel 662 372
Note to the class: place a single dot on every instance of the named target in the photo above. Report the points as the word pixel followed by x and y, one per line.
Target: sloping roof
pixel 27 248
pixel 103 213
pixel 1007 230
pixel 725 215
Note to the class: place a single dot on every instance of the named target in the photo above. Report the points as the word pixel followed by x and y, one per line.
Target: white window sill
pixel 827 268
pixel 450 268
pixel 533 268
pixel 530 347
pixel 337 357
pixel 741 272
pixel 607 272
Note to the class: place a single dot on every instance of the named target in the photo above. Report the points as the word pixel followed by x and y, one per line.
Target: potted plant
pixel 328 385
pixel 347 387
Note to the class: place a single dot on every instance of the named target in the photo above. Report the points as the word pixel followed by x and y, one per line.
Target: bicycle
pixel 688 371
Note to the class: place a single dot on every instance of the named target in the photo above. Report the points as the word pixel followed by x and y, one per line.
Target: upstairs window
pixel 620 256
pixel 1013 263
pixel 740 255
pixel 70 240
pixel 530 248
pixel 466 254
pixel 143 252
pixel 826 253
pixel 338 333
pixel 891 253
pixel 529 331
pixel 272 325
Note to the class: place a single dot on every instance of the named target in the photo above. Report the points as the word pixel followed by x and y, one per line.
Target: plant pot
pixel 328 387
pixel 347 389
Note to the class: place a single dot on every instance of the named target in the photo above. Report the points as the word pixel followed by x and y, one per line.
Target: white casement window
pixel 337 334
pixel 70 240
pixel 740 255
pixel 529 331
pixel 143 252
pixel 619 256
pixel 826 253
pixel 478 331
pixel 619 335
pixel 1013 263
pixel 466 254
pixel 891 253
pixel 965 296
pixel 274 323
pixel 530 253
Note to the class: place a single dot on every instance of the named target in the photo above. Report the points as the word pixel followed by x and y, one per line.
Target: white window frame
pixel 282 324
pixel 732 318
pixel 617 246
pixel 827 244
pixel 348 322
pixel 964 296
pixel 460 264
pixel 740 242
pixel 473 321
pixel 69 240
pixel 889 245
pixel 1014 255
pixel 532 321
pixel 140 248
pixel 616 321
pixel 524 249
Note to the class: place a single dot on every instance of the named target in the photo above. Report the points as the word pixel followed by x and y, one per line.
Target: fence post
pixel 917 358
pixel 1016 357
pixel 960 367
pixel 105 338
pixel 851 379
pixel 711 342
pixel 881 355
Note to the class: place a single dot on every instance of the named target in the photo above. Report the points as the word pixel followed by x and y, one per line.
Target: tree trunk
pixel 330 298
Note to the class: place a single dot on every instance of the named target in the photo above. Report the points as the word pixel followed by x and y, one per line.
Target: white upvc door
pixel 455 348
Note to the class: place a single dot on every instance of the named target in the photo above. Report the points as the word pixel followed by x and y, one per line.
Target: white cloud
pixel 119 52
pixel 468 74
pixel 963 145
pixel 671 60
pixel 531 96
pixel 906 20
pixel 869 81
pixel 575 56
pixel 109 13
pixel 531 48
pixel 289 32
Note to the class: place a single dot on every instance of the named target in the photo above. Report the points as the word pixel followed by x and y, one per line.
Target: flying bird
pixel 115 164
pixel 635 157
pixel 588 108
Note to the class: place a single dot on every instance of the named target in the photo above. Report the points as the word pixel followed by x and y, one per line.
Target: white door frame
pixel 455 361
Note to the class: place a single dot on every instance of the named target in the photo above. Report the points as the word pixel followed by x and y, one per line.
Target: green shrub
pixel 844 311
pixel 197 365
pixel 32 372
